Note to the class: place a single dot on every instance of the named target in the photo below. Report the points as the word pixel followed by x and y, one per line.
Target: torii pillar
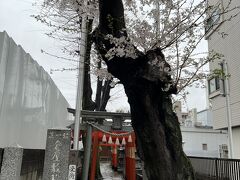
pixel 130 167
pixel 114 157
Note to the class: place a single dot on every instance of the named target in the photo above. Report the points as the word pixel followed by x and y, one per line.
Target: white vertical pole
pixel 83 42
pixel 229 115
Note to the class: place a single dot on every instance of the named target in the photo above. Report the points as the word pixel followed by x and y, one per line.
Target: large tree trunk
pixel 156 126
pixel 159 140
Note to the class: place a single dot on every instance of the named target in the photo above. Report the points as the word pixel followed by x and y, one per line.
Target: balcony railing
pixel 216 168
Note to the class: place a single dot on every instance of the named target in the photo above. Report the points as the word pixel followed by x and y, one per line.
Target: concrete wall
pixel 30 102
pixel 193 138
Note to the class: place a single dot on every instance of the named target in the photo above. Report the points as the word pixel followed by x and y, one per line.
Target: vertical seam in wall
pixel 1 159
pixel 7 54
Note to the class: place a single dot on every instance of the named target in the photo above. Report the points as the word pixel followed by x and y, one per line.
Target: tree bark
pixel 159 140
pixel 102 92
pixel 87 103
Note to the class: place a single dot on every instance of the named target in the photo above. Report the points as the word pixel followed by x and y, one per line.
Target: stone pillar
pixel 74 163
pixel 12 162
pixel 57 154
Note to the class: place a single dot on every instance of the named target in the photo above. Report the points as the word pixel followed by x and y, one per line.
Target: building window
pixel 204 147
pixel 213 18
pixel 213 84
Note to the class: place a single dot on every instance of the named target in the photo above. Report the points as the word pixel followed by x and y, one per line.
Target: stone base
pixel 12 162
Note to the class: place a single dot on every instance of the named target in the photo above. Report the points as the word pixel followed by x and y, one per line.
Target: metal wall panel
pixel 30 102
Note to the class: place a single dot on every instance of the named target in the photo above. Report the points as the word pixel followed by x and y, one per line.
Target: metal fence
pixel 216 168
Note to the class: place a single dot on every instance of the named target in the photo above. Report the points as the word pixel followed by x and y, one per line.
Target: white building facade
pixel 200 139
pixel 204 142
pixel 223 36
pixel 30 102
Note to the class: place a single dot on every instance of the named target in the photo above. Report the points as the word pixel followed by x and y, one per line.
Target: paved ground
pixel 108 173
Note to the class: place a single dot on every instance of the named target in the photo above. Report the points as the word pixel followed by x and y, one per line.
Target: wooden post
pixel 94 155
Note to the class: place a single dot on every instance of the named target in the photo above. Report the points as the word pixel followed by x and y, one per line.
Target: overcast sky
pixel 16 21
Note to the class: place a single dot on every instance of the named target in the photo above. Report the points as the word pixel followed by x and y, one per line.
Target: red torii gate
pixel 97 135
pixel 130 149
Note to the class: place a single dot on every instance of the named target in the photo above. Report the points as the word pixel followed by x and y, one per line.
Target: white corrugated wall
pixel 30 102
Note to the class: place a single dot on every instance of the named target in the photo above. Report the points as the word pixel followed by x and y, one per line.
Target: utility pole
pixel 228 106
pixel 82 52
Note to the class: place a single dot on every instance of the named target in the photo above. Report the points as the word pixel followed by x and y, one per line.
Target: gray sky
pixel 16 21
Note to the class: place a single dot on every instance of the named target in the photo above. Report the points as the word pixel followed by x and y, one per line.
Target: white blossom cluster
pixel 102 74
pixel 176 26
pixel 161 65
pixel 91 9
pixel 160 70
pixel 122 48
